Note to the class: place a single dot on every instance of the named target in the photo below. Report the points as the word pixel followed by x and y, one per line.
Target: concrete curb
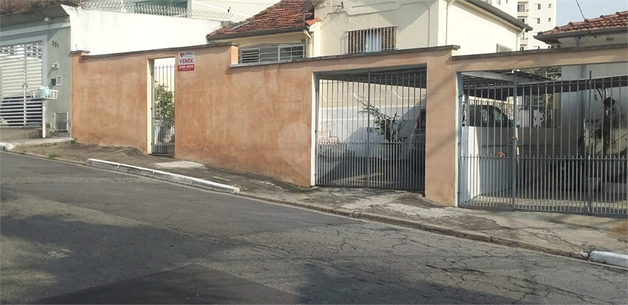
pixel 161 175
pixel 610 258
pixel 618 260
pixel 426 227
pixel 7 146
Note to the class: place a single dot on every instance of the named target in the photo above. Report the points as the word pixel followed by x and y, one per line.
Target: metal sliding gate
pixel 370 132
pixel 162 107
pixel 21 72
pixel 542 144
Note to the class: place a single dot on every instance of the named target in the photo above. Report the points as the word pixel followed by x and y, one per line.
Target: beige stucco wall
pixel 258 119
pixel 110 99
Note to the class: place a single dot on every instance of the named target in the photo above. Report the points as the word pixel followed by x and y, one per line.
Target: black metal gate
pixel 542 143
pixel 162 109
pixel 371 129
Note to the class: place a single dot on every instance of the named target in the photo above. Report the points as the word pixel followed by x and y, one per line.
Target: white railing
pixel 138 8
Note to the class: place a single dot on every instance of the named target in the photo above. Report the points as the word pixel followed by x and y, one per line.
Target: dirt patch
pixel 417 200
pixel 621 229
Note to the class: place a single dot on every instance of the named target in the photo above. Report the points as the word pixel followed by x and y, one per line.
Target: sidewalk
pixel 562 234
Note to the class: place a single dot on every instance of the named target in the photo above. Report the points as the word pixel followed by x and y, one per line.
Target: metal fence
pixel 20 111
pixel 160 10
pixel 544 145
pixel 163 108
pixel 368 131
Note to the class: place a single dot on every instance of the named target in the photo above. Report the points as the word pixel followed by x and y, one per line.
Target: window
pixel 486 116
pixel 291 52
pixel 538 20
pixel 521 8
pixel 10 50
pixel 372 40
pixel 538 6
pixel 522 20
pixel 270 53
pixel 549 5
pixel 499 2
pixel 549 19
pixel 33 51
pixel 522 48
pixel 249 55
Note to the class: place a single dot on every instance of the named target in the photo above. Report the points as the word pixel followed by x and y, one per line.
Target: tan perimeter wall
pixel 258 119
pixel 109 100
pixel 255 119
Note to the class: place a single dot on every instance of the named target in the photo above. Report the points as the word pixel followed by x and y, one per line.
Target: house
pixel 36 41
pixel 604 31
pixel 540 14
pixel 293 29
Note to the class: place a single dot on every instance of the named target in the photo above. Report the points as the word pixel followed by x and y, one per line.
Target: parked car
pixel 478 116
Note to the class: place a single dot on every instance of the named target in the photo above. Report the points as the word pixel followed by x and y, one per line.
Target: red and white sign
pixel 185 61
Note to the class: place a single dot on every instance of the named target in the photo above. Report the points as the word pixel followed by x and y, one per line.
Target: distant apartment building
pixel 539 14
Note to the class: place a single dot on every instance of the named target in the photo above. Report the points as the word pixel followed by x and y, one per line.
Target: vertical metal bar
pixel 514 144
pixel 589 164
pixel 368 136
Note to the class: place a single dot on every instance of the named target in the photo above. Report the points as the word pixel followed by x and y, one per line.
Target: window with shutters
pixel 270 53
pixel 33 50
pixel 9 50
pixel 372 40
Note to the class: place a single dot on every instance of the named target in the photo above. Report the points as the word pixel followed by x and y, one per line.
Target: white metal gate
pixel 21 71
pixel 370 129
pixel 530 142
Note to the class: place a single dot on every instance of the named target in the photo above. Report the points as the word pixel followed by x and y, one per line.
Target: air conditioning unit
pixel 46 94
pixel 61 121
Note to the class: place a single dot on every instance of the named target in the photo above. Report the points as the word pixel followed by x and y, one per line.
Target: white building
pixel 539 14
pixel 36 47
pixel 311 28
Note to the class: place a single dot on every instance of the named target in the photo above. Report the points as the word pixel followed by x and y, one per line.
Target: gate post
pixel 513 159
pixel 368 128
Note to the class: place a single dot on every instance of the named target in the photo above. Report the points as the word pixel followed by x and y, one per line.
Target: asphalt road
pixel 73 234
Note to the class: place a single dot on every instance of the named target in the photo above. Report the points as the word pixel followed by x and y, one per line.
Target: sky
pixel 567 10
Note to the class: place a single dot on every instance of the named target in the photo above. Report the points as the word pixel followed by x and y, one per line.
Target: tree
pixel 389 126
pixel 164 107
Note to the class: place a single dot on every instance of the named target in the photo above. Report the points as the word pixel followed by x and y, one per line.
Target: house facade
pixel 324 28
pixel 590 114
pixel 35 47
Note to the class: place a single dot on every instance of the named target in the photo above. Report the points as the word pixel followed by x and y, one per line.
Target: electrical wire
pixel 580 8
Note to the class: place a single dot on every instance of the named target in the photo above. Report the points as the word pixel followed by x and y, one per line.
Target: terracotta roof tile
pixel 617 20
pixel 284 14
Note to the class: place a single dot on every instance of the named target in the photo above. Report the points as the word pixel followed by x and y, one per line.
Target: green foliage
pixel 164 106
pixel 388 126
pixel 53 156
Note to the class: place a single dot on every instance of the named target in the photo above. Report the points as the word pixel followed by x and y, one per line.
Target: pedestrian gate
pixel 21 72
pixel 370 129
pixel 531 142
pixel 162 107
